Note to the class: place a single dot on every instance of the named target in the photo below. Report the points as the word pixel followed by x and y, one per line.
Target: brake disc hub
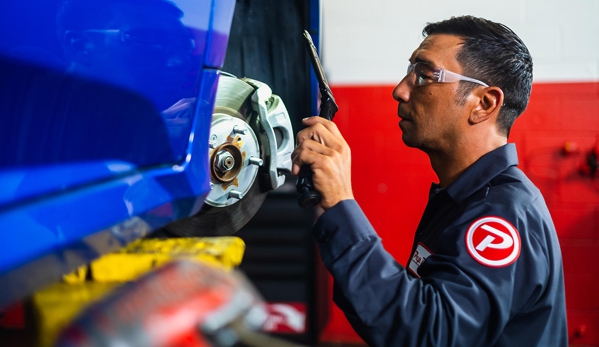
pixel 251 141
pixel 233 153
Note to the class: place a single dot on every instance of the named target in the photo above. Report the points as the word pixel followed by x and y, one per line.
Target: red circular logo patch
pixel 493 241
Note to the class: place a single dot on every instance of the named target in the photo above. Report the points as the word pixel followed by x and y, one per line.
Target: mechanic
pixel 485 267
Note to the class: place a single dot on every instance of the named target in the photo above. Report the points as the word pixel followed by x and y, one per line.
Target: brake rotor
pixel 235 194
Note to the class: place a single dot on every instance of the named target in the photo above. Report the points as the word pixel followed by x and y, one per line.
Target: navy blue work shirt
pixel 485 267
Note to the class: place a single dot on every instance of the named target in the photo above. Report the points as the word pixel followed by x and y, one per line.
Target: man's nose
pixel 401 92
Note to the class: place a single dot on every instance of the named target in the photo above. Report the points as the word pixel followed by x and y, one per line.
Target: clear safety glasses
pixel 421 74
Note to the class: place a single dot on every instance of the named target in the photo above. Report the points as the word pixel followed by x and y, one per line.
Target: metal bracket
pixel 273 116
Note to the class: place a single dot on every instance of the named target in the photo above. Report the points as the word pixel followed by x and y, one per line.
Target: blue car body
pixel 105 109
pixel 97 152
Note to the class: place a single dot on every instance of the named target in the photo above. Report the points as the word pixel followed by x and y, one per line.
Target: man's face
pixel 432 119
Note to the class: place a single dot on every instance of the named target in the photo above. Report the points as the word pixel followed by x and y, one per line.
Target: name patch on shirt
pixel 493 241
pixel 420 255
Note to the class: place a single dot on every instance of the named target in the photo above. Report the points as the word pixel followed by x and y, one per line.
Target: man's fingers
pixel 322 147
pixel 308 152
pixel 331 127
pixel 321 133
pixel 315 146
pixel 295 169
pixel 316 132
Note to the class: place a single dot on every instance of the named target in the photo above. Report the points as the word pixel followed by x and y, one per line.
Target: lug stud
pixel 235 194
pixel 239 130
pixel 256 161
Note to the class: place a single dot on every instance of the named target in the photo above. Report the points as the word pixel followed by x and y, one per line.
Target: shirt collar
pixel 481 172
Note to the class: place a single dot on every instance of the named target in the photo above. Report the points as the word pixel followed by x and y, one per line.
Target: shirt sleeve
pixel 457 302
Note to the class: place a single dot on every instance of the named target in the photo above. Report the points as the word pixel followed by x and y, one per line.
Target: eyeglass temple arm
pixel 444 73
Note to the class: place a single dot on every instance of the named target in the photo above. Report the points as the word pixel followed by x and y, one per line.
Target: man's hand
pixel 323 148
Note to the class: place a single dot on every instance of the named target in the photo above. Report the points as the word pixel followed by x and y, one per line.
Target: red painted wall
pixel 391 182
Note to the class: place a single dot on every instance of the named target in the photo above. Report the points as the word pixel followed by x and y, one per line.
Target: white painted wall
pixel 370 41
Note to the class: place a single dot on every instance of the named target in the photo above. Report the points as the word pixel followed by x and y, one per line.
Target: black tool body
pixel 308 196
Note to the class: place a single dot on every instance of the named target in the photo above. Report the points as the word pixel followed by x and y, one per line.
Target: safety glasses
pixel 421 74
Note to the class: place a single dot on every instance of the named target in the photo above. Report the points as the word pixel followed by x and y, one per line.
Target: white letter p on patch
pixel 506 240
pixel 493 241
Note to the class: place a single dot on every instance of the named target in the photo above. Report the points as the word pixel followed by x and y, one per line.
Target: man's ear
pixel 490 100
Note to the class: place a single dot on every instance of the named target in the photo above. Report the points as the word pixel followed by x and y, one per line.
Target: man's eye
pixel 424 78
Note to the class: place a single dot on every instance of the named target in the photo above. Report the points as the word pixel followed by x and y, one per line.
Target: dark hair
pixel 494 54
